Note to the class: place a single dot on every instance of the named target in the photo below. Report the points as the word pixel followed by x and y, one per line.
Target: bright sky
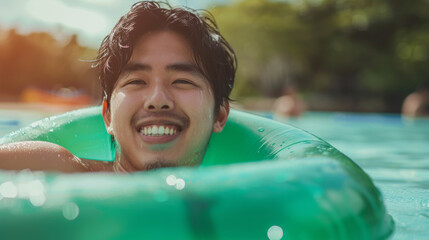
pixel 90 19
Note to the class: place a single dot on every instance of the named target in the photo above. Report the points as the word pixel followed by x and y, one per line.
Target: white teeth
pixel 158 131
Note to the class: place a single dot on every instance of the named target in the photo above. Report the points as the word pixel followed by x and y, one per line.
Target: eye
pixel 184 82
pixel 136 82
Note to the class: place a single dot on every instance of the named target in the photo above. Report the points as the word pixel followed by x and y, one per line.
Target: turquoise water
pixel 11 120
pixel 392 150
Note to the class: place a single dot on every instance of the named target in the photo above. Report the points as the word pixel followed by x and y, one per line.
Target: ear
pixel 107 118
pixel 221 117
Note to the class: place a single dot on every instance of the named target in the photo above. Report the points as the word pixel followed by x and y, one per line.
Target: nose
pixel 159 99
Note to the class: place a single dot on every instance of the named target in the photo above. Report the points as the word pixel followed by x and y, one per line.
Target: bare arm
pixel 44 156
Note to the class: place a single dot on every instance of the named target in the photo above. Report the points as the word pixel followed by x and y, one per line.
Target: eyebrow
pixel 175 67
pixel 185 67
pixel 132 67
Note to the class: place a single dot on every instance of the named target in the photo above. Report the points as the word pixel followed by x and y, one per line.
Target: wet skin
pixel 162 108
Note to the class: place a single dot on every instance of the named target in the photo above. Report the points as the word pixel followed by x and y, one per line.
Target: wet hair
pixel 211 52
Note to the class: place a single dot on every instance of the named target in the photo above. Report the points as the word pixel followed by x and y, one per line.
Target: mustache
pixel 183 119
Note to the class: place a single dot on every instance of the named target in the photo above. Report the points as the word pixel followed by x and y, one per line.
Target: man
pixel 167 75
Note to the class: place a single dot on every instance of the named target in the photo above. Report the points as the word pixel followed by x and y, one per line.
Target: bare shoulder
pixel 44 156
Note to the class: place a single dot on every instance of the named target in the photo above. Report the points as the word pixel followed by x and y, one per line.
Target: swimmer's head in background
pixel 212 53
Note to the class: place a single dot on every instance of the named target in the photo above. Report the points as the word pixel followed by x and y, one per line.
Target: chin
pixel 159 163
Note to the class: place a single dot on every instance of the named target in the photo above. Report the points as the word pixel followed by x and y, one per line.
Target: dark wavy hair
pixel 213 55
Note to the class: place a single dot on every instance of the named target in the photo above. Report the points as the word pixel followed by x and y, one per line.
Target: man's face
pixel 162 107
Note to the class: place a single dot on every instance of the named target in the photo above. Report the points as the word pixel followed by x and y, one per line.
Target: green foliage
pixel 39 60
pixel 341 47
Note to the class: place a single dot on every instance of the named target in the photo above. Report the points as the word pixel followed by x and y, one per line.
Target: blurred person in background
pixel 416 103
pixel 290 104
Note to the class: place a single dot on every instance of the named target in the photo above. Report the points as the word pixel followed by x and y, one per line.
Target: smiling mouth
pixel 155 129
pixel 158 133
pixel 159 130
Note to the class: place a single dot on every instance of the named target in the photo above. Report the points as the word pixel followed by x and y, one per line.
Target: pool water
pixel 11 120
pixel 392 150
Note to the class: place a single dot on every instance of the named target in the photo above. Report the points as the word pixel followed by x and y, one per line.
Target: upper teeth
pixel 156 130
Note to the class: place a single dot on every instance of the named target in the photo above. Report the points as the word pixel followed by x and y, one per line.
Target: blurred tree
pixel 345 48
pixel 38 59
pixel 259 30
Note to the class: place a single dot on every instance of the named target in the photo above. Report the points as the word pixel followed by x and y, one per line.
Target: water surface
pixel 394 151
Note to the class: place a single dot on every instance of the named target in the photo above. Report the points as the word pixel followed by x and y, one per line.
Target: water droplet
pixel 8 190
pixel 425 203
pixel 35 191
pixel 70 211
pixel 171 180
pixel 38 199
pixel 275 233
pixel 261 129
pixel 180 184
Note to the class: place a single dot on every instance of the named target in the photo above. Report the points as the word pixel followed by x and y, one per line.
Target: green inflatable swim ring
pixel 260 179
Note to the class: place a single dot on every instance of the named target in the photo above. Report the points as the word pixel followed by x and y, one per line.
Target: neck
pixel 122 166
